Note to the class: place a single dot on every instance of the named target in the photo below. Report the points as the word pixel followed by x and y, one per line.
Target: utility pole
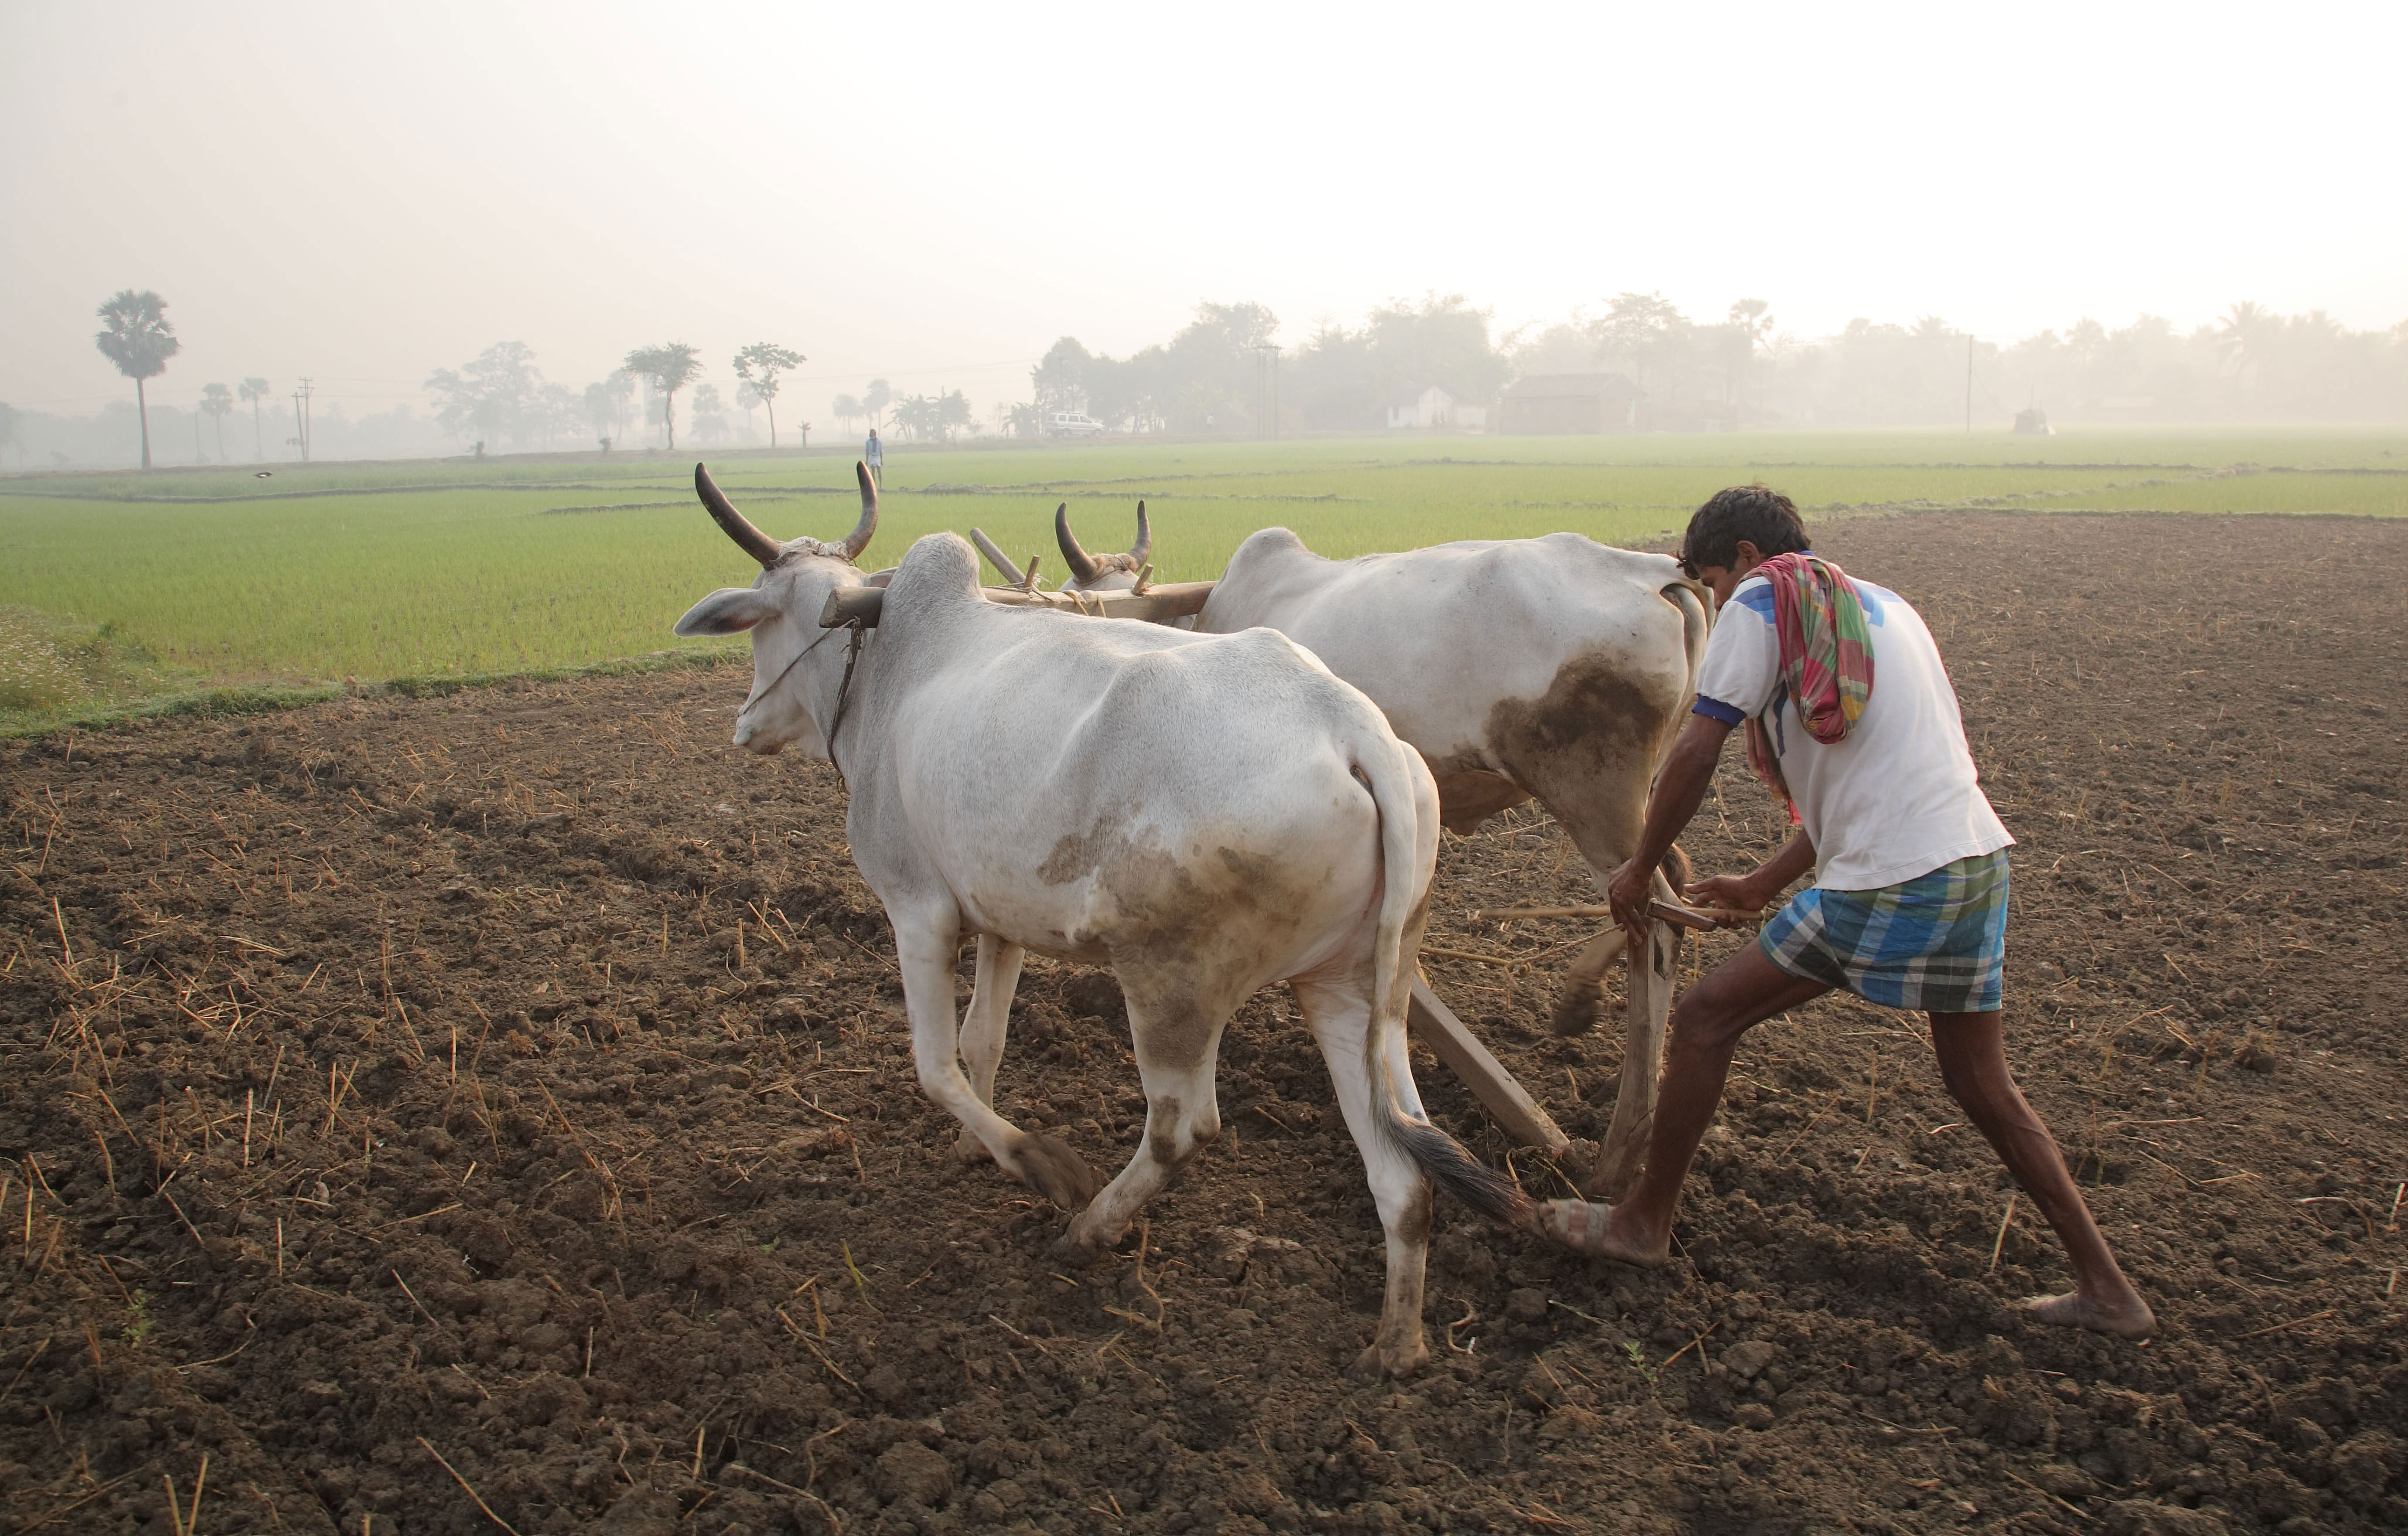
pixel 301 418
pixel 1263 393
pixel 1969 381
pixel 1267 358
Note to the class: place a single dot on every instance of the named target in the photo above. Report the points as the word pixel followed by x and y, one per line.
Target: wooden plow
pixel 1608 1171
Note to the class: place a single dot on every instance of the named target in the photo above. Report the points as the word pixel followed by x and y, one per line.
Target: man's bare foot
pixel 2126 1318
pixel 1601 1231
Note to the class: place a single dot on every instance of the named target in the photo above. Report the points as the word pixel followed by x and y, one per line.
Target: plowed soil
pixel 495 1109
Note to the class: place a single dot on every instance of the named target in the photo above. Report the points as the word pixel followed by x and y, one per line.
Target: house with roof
pixel 1433 409
pixel 1565 403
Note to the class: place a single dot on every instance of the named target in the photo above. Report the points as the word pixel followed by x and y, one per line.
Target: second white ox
pixel 1219 813
pixel 1553 668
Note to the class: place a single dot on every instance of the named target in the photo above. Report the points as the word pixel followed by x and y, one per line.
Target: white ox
pixel 1553 668
pixel 1219 812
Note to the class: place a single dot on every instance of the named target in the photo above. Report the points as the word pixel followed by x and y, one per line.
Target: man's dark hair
pixel 1758 514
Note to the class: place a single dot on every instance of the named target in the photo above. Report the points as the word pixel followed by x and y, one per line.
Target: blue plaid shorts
pixel 1934 943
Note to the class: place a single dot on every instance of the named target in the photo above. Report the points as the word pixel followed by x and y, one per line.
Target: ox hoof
pixel 1577 1009
pixel 1393 1362
pixel 1053 1171
pixel 970 1151
pixel 1081 1250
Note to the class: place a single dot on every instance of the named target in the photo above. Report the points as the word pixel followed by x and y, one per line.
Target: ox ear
pixel 730 611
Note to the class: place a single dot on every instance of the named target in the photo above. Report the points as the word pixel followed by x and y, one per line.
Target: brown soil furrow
pixel 518 1078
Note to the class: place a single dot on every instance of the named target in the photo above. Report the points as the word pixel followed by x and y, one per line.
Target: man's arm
pixel 1754 891
pixel 1688 772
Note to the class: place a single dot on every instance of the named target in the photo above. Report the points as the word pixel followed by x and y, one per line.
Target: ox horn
pixel 995 556
pixel 751 540
pixel 1082 565
pixel 858 540
pixel 1144 545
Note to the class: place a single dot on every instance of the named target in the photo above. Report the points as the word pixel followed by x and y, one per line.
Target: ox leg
pixel 1642 1062
pixel 1584 993
pixel 927 951
pixel 983 1026
pixel 1339 1014
pixel 1178 1045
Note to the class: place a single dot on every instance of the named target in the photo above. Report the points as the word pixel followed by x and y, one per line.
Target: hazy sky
pixel 366 193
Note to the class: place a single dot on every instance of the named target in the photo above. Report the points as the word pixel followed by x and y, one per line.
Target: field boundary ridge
pixel 232 700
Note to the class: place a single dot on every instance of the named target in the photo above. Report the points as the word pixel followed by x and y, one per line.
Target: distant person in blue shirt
pixel 874 455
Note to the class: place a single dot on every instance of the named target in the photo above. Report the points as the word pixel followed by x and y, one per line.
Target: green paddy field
pixel 214 588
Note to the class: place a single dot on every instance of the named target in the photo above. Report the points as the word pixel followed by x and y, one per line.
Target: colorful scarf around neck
pixel 1826 657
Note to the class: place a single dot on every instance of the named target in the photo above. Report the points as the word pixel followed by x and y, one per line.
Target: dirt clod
pixel 911 1472
pixel 640 1512
pixel 1094 995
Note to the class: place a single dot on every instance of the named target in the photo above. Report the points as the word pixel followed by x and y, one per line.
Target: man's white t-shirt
pixel 1900 797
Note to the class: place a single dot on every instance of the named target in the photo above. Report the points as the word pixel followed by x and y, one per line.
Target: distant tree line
pixel 2252 364
pixel 500 398
pixel 1221 372
pixel 868 406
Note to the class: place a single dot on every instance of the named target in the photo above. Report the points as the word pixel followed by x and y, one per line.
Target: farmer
pixel 1850 718
pixel 874 455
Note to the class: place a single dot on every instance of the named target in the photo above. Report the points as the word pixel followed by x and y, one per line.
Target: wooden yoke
pixel 1152 604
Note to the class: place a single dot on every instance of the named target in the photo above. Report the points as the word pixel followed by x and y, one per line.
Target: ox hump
pixel 938 569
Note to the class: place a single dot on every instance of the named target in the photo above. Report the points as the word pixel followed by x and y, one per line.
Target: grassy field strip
pixel 1047 462
pixel 329 492
pixel 124 586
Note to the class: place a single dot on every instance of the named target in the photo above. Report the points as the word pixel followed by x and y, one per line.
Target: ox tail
pixel 1407 847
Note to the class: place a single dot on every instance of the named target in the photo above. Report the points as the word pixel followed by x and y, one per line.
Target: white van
pixel 1071 423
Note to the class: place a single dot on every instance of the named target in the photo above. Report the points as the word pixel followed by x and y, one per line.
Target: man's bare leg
pixel 1740 993
pixel 1973 1064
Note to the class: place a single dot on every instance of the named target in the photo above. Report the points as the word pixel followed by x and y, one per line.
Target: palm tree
pixel 759 365
pixel 255 391
pixel 952 410
pixel 672 368
pixel 217 401
pixel 2247 334
pixel 601 412
pixel 709 415
pixel 874 399
pixel 1641 327
pixel 1749 321
pixel 848 411
pixel 139 340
